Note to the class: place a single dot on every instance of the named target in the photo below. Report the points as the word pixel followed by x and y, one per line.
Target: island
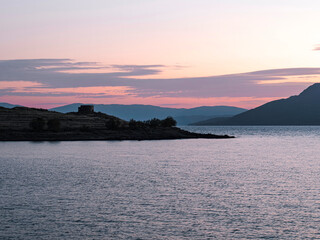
pixel 32 124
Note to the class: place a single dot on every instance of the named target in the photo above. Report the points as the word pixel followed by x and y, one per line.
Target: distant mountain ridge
pixel 303 109
pixel 145 112
pixel 8 105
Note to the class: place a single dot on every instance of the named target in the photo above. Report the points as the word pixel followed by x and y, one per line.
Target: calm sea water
pixel 263 184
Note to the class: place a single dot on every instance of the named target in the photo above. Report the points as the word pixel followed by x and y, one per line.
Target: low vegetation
pixel 153 123
pixel 54 124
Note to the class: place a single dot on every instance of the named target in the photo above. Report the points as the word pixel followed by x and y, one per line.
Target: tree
pixel 153 122
pixel 133 124
pixel 168 122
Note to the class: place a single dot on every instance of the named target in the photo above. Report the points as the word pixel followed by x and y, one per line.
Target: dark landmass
pixel 137 112
pixel 30 124
pixel 303 109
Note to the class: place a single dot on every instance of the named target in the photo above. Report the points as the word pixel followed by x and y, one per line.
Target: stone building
pixel 86 109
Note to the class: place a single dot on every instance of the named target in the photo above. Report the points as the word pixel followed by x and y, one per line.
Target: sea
pixel 263 184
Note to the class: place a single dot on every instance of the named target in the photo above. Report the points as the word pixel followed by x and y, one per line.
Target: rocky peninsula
pixel 31 124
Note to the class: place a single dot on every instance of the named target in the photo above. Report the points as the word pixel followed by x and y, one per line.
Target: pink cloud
pixel 19 85
pixel 317 48
pixel 46 81
pixel 99 90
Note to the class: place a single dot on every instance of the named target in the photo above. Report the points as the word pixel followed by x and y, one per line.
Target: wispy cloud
pixel 317 48
pixel 61 77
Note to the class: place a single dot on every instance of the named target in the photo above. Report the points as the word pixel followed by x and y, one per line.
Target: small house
pixel 85 109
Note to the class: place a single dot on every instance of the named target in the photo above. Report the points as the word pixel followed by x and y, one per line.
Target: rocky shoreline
pixel 28 124
pixel 124 134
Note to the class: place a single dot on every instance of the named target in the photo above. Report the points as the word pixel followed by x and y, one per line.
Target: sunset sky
pixel 172 53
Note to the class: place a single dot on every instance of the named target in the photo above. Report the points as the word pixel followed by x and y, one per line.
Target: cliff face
pixel 20 118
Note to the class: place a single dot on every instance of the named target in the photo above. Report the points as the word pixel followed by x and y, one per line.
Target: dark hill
pixel 303 109
pixel 31 124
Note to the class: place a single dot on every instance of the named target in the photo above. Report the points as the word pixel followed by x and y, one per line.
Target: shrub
pixel 37 124
pixel 168 122
pixel 54 124
pixel 133 124
pixel 153 123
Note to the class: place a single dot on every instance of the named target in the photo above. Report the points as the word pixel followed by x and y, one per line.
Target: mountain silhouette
pixel 303 109
pixel 183 116
pixel 8 105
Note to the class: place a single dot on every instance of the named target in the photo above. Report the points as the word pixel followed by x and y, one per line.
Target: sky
pixel 171 53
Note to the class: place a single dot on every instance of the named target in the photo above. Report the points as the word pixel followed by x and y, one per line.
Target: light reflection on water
pixel 263 184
